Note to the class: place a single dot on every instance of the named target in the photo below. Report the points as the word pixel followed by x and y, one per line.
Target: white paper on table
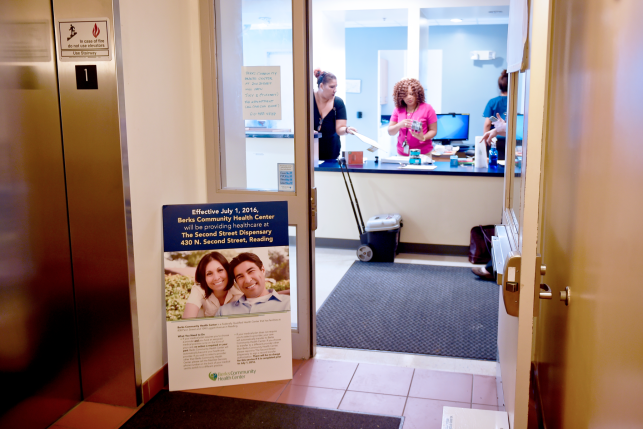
pixel 419 167
pixel 395 159
pixel 481 154
pixel 374 145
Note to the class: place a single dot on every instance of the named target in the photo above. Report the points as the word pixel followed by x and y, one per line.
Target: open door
pixel 254 45
pixel 519 268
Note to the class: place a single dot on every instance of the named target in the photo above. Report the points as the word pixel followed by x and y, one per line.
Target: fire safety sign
pixel 84 39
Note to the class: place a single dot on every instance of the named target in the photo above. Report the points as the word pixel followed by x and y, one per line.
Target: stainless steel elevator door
pixel 39 369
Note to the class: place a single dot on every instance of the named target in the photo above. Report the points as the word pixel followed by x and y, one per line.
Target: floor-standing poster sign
pixel 227 293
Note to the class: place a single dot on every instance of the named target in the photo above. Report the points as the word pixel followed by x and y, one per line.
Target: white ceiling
pixel 476 15
pixel 330 5
pixel 276 14
pixel 377 18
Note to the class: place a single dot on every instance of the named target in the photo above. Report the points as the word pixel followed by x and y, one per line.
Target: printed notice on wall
pixel 83 39
pixel 286 177
pixel 227 294
pixel 261 92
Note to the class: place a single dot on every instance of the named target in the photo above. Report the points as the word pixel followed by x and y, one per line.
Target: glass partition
pixel 517 144
pixel 255 89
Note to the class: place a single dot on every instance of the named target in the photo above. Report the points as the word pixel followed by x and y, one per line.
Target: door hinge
pixel 313 209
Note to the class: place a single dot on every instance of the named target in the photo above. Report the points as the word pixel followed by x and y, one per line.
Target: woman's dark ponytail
pixel 503 81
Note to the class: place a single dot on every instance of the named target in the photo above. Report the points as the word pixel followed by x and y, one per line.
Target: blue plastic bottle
pixel 493 155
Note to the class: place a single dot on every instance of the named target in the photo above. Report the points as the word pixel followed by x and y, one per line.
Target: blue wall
pixel 467 85
pixel 362 45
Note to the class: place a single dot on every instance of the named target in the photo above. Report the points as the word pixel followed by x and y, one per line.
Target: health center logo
pixel 213 376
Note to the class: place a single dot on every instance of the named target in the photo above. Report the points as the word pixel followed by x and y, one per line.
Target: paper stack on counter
pixel 398 159
pixel 419 167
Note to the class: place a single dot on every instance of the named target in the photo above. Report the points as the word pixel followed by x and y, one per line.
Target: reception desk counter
pixel 439 207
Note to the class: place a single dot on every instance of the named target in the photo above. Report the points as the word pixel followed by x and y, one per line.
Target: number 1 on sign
pixel 86 77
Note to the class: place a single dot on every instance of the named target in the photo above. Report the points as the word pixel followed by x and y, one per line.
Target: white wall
pixel 329 49
pixel 435 209
pixel 164 113
pixel 413 44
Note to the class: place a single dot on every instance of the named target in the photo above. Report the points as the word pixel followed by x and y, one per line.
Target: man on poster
pixel 250 275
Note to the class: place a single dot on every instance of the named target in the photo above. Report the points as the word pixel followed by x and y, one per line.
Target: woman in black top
pixel 330 116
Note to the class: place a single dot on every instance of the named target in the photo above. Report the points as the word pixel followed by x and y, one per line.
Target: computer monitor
pixel 520 124
pixel 452 127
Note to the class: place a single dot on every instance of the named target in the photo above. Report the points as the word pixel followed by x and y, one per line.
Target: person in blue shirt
pixel 498 106
pixel 250 275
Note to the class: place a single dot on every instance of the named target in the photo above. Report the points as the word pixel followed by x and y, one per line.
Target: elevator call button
pixel 86 77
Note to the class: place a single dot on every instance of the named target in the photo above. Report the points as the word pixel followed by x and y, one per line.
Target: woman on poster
pixel 213 288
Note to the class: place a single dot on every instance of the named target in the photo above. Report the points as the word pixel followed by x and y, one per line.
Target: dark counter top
pixel 273 135
pixel 443 169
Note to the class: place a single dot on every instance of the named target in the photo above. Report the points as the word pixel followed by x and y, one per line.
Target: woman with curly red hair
pixel 408 95
pixel 329 115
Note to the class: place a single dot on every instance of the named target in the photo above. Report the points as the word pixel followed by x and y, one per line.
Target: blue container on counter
pixel 415 157
pixel 454 160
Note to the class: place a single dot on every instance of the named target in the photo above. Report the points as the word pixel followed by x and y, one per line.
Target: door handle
pixel 565 295
pixel 511 284
pixel 545 292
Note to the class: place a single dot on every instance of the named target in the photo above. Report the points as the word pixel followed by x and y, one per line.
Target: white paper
pixel 481 153
pixel 224 351
pixel 419 167
pixel 467 418
pixel 366 140
pixel 353 86
pixel 261 92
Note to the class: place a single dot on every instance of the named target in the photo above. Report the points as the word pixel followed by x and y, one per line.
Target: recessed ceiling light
pixel 456 20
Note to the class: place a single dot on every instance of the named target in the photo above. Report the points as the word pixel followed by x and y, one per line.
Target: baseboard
pixel 155 384
pixel 419 248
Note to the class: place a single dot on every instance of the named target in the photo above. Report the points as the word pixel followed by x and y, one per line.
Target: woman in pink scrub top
pixel 409 106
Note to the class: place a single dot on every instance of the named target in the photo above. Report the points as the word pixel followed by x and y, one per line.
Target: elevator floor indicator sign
pixel 82 39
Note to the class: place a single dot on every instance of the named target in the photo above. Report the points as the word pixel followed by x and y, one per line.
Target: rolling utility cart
pixel 380 236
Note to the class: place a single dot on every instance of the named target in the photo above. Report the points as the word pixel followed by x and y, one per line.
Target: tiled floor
pixel 414 386
pixel 417 394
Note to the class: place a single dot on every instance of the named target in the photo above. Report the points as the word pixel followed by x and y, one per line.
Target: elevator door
pixel 39 369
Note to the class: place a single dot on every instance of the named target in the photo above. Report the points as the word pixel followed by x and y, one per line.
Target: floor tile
pixel 436 363
pixel 390 380
pixel 325 373
pixel 296 364
pixel 485 407
pixel 484 390
pixel 96 416
pixel 205 391
pixel 373 403
pixel 445 386
pixel 426 413
pixel 311 396
pixel 268 391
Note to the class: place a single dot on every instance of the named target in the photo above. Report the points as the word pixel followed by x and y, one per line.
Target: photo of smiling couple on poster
pixel 226 282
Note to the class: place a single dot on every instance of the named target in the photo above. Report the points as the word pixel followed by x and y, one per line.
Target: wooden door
pixel 589 354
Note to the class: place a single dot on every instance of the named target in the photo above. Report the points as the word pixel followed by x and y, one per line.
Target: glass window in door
pixel 255 91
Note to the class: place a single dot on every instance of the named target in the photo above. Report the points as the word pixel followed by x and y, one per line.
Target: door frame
pixel 515 335
pixel 303 338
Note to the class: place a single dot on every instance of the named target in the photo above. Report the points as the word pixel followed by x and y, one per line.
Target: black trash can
pixel 383 236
